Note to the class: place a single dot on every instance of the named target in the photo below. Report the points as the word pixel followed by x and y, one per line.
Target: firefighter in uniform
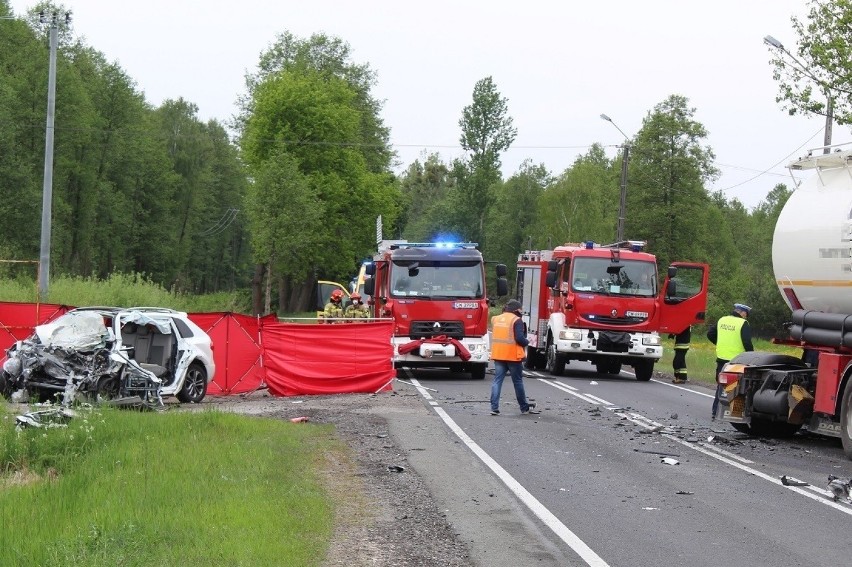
pixel 681 347
pixel 357 310
pixel 508 349
pixel 334 308
pixel 732 336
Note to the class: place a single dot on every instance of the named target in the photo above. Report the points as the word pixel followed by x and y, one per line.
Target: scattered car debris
pixel 684 492
pixel 673 416
pixel 664 453
pixel 669 461
pixel 790 481
pixel 396 468
pixel 593 383
pixel 839 487
pixel 49 418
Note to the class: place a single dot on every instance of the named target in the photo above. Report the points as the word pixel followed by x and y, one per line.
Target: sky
pixel 560 64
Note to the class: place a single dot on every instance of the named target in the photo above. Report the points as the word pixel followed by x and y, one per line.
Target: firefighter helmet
pixel 355 296
pixel 337 296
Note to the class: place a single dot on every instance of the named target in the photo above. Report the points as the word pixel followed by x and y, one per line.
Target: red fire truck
pixel 435 294
pixel 602 304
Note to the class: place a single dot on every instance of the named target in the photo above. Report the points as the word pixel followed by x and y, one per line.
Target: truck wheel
pixel 846 420
pixel 644 369
pixel 477 371
pixel 535 359
pixel 555 362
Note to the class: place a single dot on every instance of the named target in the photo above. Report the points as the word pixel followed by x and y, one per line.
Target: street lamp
pixel 625 156
pixel 829 104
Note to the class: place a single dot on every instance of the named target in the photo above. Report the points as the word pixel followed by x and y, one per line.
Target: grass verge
pixel 195 488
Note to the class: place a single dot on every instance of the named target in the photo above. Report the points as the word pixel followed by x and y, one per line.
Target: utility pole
pixel 625 157
pixel 47 194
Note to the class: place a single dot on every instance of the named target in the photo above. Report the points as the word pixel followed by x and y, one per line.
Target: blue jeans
pixel 516 370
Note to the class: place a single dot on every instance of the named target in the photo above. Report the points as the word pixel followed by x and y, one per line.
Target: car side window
pixel 183 328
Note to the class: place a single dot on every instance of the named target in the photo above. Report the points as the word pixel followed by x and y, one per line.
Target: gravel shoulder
pixel 386 515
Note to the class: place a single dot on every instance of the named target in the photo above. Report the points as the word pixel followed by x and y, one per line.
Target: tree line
pixel 288 191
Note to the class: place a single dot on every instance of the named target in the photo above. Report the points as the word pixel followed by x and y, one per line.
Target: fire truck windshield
pixel 436 280
pixel 627 277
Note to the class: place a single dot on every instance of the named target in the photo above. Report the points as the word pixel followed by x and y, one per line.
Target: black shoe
pixel 495 412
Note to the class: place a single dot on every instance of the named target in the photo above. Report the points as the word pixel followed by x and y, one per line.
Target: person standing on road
pixel 357 310
pixel 732 336
pixel 508 347
pixel 333 311
pixel 681 347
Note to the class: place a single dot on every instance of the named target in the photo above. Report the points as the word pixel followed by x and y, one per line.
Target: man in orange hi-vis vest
pixel 508 347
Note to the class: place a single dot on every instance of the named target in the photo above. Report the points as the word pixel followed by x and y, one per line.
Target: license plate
pixel 465 305
pixel 637 314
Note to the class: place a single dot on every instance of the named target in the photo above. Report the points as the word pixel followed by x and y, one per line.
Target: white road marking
pixel 542 513
pixel 679 387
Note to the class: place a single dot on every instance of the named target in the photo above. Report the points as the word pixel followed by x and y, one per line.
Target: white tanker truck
pixel 772 394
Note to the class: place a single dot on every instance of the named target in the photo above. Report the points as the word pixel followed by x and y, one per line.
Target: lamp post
pixel 829 104
pixel 625 156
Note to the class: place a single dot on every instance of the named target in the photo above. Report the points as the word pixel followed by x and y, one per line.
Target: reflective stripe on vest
pixel 503 345
pixel 729 340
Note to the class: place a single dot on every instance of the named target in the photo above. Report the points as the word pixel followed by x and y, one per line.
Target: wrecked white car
pixel 99 354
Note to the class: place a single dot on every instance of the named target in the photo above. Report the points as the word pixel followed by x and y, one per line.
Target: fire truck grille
pixel 428 329
pixel 616 320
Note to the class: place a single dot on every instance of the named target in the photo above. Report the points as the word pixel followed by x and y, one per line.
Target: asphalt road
pixel 585 483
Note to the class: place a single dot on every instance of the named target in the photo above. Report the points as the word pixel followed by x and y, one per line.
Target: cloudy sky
pixel 560 64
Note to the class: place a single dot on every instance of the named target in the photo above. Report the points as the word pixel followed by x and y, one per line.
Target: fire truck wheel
pixel 846 420
pixel 555 363
pixel 477 371
pixel 767 428
pixel 644 369
pixel 535 360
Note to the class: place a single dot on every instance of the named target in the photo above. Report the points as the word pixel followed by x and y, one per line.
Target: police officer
pixel 357 310
pixel 732 336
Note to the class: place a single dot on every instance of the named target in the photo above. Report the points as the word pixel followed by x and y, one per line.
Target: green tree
pixel 580 205
pixel 821 70
pixel 666 198
pixel 426 208
pixel 487 131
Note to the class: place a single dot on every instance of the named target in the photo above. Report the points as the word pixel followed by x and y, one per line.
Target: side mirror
pixel 501 270
pixel 671 288
pixel 552 265
pixel 369 286
pixel 370 269
pixel 502 287
pixel 551 279
pixel 672 271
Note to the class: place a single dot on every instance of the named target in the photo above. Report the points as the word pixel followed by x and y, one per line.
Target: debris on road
pixel 669 461
pixel 790 481
pixel 685 492
pixel 839 487
pixel 666 454
pixel 54 417
pixel 396 468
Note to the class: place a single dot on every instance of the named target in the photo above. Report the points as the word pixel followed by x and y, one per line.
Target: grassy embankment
pixel 177 488
pixel 196 488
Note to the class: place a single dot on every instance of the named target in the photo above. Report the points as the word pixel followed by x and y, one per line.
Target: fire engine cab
pixel 435 294
pixel 602 304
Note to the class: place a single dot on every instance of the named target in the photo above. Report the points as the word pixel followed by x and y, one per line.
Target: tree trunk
pixel 283 295
pixel 257 289
pixel 267 295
